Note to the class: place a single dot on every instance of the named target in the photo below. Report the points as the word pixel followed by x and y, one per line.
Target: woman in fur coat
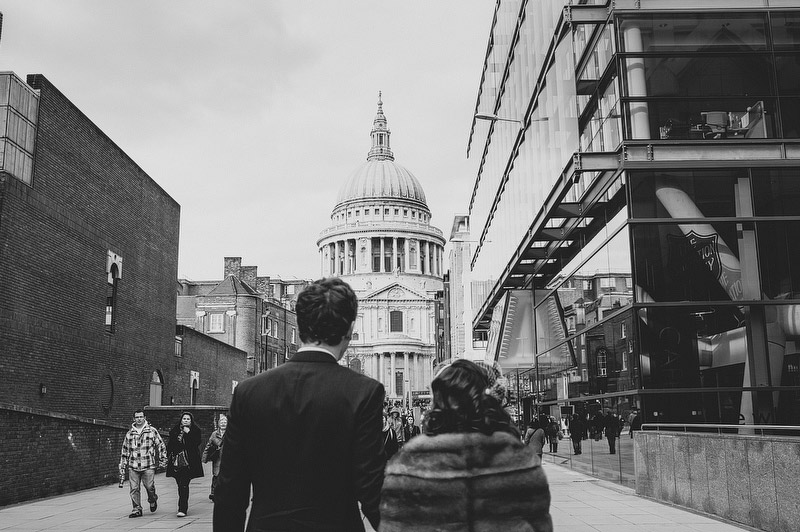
pixel 468 470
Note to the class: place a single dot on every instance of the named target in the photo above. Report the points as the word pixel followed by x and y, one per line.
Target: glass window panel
pixel 790 117
pixel 694 32
pixel 785 30
pixel 611 363
pixel 704 75
pixel 708 119
pixel 776 192
pixel 5 87
pixel 693 347
pixel 787 70
pixel 687 262
pixel 658 194
pixel 599 288
pixel 780 259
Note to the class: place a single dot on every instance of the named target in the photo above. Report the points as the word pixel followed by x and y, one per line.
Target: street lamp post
pixel 495 118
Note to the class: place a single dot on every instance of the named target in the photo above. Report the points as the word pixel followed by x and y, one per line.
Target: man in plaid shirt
pixel 142 450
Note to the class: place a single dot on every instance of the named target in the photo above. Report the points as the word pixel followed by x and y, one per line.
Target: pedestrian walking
pixel 577 430
pixel 611 425
pixel 553 431
pixel 636 422
pixel 397 425
pixel 305 438
pixel 535 437
pixel 597 423
pixel 213 451
pixel 389 437
pixel 411 429
pixel 183 452
pixel 468 440
pixel 142 451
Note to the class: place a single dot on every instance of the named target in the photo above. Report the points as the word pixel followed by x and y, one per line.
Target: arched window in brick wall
pixel 195 387
pixel 114 274
pixel 106 394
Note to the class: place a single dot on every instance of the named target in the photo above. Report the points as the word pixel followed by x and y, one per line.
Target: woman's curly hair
pixel 461 402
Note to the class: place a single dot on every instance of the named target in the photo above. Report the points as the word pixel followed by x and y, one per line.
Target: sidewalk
pixel 579 504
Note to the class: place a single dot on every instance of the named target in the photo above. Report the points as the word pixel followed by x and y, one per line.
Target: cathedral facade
pixel 381 242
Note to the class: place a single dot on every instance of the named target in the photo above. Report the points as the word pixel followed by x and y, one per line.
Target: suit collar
pixel 313 356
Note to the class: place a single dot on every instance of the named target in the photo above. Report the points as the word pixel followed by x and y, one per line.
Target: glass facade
pixel 19 111
pixel 664 280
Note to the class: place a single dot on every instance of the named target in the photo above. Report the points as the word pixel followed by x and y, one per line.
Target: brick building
pixel 88 261
pixel 254 314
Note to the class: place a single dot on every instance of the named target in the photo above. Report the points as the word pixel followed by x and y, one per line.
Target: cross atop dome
pixel 380 150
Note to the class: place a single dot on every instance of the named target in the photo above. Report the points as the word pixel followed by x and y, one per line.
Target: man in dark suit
pixel 305 435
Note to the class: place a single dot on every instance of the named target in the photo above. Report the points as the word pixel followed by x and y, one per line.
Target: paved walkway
pixel 580 504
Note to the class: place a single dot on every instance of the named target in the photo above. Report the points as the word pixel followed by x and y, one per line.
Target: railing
pixel 595 458
pixel 771 430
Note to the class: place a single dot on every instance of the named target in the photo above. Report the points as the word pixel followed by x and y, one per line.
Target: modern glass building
pixel 637 207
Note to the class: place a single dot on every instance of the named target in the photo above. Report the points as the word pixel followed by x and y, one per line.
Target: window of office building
pixel 684 76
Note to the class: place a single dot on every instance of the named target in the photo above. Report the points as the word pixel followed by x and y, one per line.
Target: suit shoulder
pixel 363 380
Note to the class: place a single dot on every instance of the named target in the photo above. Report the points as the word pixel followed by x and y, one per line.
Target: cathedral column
pixel 392 381
pixel 427 268
pixel 336 262
pixel 383 255
pixel 346 267
pixel 420 381
pixel 406 375
pixel 394 253
pixel 407 254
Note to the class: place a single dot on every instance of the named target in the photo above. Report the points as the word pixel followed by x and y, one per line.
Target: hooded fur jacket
pixel 465 481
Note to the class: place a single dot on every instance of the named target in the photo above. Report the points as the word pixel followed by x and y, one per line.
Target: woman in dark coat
pixel 468 470
pixel 184 440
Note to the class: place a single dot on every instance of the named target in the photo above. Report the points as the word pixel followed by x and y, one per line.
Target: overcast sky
pixel 252 114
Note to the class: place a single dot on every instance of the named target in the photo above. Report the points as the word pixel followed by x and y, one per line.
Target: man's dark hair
pixel 325 310
pixel 139 410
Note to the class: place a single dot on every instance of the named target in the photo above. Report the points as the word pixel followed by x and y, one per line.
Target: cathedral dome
pixel 381 179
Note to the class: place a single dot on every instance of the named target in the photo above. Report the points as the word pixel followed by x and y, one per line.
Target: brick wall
pixel 217 363
pixel 87 197
pixel 39 448
pixel 60 367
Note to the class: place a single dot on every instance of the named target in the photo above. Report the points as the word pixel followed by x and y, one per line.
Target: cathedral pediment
pixel 395 292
